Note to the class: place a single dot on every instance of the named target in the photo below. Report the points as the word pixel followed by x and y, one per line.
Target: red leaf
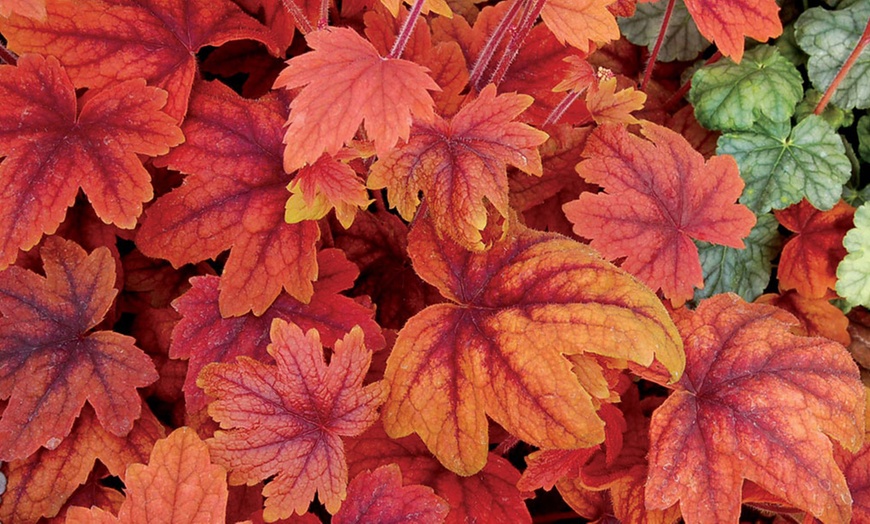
pixel 53 147
pixel 856 468
pixel 480 354
pixel 204 336
pixel 50 360
pixel 289 419
pixel 334 101
pixel 27 8
pixel 818 317
pixel 378 496
pixel 728 22
pixel 756 402
pixel 659 195
pixel 233 198
pixel 102 42
pixel 459 164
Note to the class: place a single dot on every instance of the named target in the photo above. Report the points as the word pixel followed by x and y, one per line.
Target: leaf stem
pixel 560 109
pixel 7 56
pixel 407 29
pixel 299 17
pixel 518 36
pixel 323 23
pixel 475 78
pixel 841 74
pixel 647 74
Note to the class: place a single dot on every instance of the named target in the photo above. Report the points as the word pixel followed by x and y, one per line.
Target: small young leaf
pixel 781 166
pixel 853 273
pixel 682 41
pixel 733 97
pixel 829 37
pixel 742 271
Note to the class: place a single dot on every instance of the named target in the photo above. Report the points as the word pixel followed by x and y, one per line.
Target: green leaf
pixel 742 271
pixel 832 114
pixel 863 130
pixel 829 38
pixel 682 41
pixel 733 97
pixel 853 273
pixel 780 167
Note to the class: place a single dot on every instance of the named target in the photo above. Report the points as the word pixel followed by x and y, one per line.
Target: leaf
pixel 608 106
pixel 863 130
pixel 480 354
pixel 289 419
pixel 727 22
pixel 204 336
pixel 856 467
pixel 765 86
pixel 682 41
pixel 379 496
pixel 580 21
pixel 334 101
pixel 756 402
pixel 101 43
pixel 179 485
pixel 50 360
pixel 817 316
pixel 234 199
pixel 659 195
pixel 781 166
pixel 853 276
pixel 459 164
pixel 440 7
pixel 26 8
pixel 322 186
pixel 829 37
pixel 52 148
pixel 745 272
pixel 810 257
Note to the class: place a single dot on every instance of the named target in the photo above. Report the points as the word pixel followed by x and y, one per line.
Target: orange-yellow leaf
pixel 818 317
pixel 728 22
pixel 609 106
pixel 756 402
pixel 578 22
pixel 497 347
pixel 345 82
pixel 322 186
pixel 440 7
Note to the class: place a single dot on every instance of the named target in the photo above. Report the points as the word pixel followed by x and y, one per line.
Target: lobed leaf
pixel 579 22
pixel 379 496
pixel 853 275
pixel 727 22
pixel 682 41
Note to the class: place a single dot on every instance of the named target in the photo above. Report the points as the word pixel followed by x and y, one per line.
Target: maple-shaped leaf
pixel 204 336
pixel 818 317
pixel 102 42
pixel 26 8
pixel 733 97
pixel 609 106
pixel 659 195
pixel 829 37
pixel 53 146
pixel 180 485
pixel 288 419
pixel 756 402
pixel 746 271
pixel 782 165
pixel 379 496
pixel 727 22
pixel 234 199
pixel 482 353
pixel 50 360
pixel 578 22
pixel 460 163
pixel 682 40
pixel 853 275
pixel 326 184
pixel 345 82
pixel 810 257
pixel 38 485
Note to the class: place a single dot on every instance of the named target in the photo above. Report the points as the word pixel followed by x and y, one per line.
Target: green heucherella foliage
pixel 787 46
pixel 832 114
pixel 781 165
pixel 863 130
pixel 682 41
pixel 853 273
pixel 829 37
pixel 733 97
pixel 742 271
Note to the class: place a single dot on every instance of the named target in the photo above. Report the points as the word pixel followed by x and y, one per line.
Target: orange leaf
pixel 756 402
pixel 818 317
pixel 459 164
pixel 579 21
pixel 288 420
pixel 659 195
pixel 233 199
pixel 379 496
pixel 101 43
pixel 50 360
pixel 53 147
pixel 326 184
pixel 608 106
pixel 482 353
pixel 334 99
pixel 810 258
pixel 27 8
pixel 727 22
pixel 856 468
pixel 179 485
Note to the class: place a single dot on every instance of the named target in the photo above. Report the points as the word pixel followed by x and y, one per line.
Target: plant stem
pixel 518 36
pixel 299 17
pixel 323 22
pixel 841 74
pixel 7 56
pixel 483 59
pixel 407 29
pixel 681 92
pixel 563 106
pixel 647 74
